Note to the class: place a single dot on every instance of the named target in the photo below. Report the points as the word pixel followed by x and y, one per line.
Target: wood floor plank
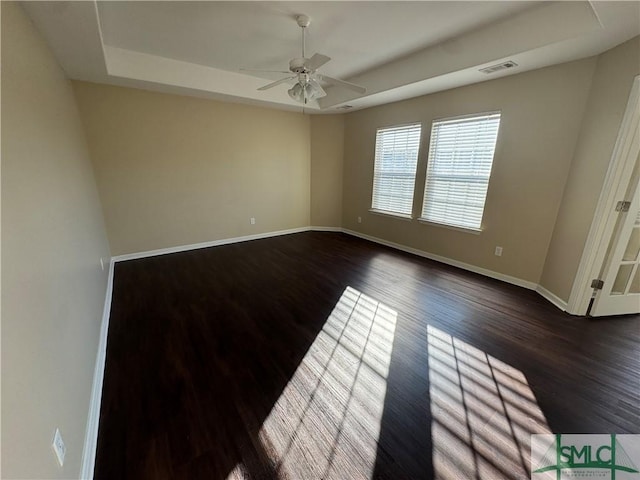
pixel 320 355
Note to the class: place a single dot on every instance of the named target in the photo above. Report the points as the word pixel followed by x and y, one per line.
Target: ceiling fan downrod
pixel 303 22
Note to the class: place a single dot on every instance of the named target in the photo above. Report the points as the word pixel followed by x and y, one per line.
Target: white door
pixel 620 292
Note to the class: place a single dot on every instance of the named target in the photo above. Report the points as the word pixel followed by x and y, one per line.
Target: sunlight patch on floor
pixel 483 413
pixel 326 423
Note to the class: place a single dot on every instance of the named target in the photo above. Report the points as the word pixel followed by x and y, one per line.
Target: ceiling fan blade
pixel 277 82
pixel 263 71
pixel 316 61
pixel 342 83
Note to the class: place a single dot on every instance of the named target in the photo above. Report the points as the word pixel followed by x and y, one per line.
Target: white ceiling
pixel 395 49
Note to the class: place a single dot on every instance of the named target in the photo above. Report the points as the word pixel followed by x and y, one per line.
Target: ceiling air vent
pixel 345 107
pixel 500 66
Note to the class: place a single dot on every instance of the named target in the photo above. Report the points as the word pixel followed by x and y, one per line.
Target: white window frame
pixel 379 174
pixel 477 177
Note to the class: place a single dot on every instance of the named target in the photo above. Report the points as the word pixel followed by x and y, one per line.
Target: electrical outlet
pixel 58 447
pixel 498 251
pixel 252 221
pixel 101 263
pixel 359 219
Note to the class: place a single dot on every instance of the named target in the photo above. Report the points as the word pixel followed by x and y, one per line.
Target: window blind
pixel 459 165
pixel 394 176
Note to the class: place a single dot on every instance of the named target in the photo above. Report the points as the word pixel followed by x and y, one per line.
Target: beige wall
pixel 541 115
pixel 174 170
pixel 53 236
pixel 608 97
pixel 327 153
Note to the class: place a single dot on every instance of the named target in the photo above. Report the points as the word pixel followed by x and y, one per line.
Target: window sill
pixel 474 231
pixel 384 213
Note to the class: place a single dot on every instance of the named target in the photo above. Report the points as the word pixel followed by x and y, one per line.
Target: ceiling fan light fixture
pixel 296 92
pixel 310 90
pixel 315 89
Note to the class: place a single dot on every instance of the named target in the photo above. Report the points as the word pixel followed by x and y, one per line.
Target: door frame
pixel 625 153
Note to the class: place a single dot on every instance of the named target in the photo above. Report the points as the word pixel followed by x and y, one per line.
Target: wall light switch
pixel 252 221
pixel 498 251
pixel 359 219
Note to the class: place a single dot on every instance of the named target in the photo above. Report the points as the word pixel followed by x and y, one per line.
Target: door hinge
pixel 597 284
pixel 623 206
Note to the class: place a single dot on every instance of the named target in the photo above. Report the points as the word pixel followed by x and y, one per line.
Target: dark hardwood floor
pixel 320 355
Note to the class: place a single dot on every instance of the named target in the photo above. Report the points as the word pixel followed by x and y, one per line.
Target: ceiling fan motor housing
pixel 297 65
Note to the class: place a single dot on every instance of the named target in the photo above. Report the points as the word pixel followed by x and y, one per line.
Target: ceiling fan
pixel 304 70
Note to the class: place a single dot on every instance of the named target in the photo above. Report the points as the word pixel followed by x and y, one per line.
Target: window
pixel 459 165
pixel 395 169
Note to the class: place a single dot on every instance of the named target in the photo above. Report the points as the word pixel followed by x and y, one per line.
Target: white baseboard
pixel 449 261
pixel 415 251
pixel 326 229
pixel 552 297
pixel 213 243
pixel 93 418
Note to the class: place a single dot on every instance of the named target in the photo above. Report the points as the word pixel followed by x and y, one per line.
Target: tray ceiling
pixel 395 49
